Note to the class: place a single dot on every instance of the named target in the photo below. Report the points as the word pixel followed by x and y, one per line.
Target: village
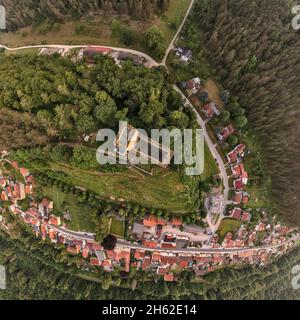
pixel 165 247
pixel 156 245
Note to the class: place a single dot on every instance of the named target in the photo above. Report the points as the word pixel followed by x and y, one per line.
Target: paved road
pixel 216 156
pixel 206 250
pixel 171 46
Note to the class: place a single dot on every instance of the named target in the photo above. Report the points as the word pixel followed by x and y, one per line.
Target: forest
pixel 46 99
pixel 255 51
pixel 21 13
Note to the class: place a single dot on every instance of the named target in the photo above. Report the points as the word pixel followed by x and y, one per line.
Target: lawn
pixel 213 91
pixel 117 227
pixel 172 17
pixel 162 190
pixel 210 166
pixel 227 225
pixel 80 213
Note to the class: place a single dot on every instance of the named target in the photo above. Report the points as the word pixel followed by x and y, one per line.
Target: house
pixel 246 198
pixel 19 191
pixel 73 250
pixel 94 261
pixel 30 180
pixel 185 54
pixel 176 222
pixel 237 152
pixel 15 165
pixel 237 199
pixel 246 216
pixel 150 244
pixel 50 51
pixel 4 196
pixel 139 254
pixel 239 172
pixel 55 221
pixel 211 110
pixel 125 56
pixel 192 86
pixel 238 184
pixel 123 257
pixel 239 214
pixel 236 213
pixel 150 221
pixel 226 133
pixel 92 52
pixel 169 277
pixel 45 207
pixel 24 172
pixel 156 257
pixel 241 197
pixel 53 235
pixel 162 270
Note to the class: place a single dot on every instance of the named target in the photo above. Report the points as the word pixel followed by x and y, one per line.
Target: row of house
pixel 157 235
pixel 90 54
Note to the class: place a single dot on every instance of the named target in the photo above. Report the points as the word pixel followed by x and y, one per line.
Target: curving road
pixel 152 63
pixel 216 156
pixel 171 45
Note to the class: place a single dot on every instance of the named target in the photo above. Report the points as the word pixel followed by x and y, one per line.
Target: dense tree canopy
pixel 256 52
pixel 22 13
pixel 47 99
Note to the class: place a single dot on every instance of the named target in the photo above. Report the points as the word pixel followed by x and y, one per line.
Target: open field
pixel 80 213
pixel 97 30
pixel 227 225
pixel 117 227
pixel 213 91
pixel 162 190
pixel 210 166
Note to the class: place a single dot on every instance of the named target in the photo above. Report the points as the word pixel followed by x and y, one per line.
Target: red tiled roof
pixel 150 221
pixel 168 245
pixel 238 198
pixel 246 216
pixel 139 254
pixel 150 244
pixel 238 184
pixel 245 199
pixel 156 257
pixel 55 221
pixel 183 264
pixel 161 221
pixel 94 261
pixel 236 213
pixel 162 270
pixel 176 222
pixel 85 252
pixel 96 246
pixel 72 250
pixel 15 165
pixel 24 172
pixel 169 277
